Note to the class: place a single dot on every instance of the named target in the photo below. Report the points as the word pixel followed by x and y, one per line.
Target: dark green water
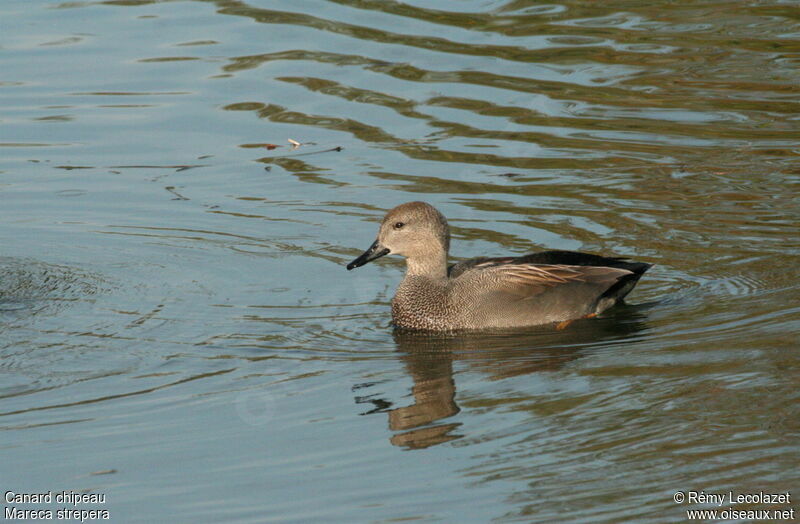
pixel 178 331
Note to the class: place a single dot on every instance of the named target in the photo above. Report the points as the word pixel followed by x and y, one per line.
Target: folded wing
pixel 549 291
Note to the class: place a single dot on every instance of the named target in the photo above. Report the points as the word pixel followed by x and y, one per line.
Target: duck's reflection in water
pixel 429 360
pixel 434 392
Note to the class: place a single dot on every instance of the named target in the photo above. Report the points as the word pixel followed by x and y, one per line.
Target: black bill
pixel 376 250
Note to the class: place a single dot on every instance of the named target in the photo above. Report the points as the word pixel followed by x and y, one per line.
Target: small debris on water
pixel 103 472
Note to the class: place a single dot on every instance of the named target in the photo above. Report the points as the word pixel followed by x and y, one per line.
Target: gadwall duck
pixel 483 293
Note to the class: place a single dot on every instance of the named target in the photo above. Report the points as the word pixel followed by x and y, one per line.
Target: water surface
pixel 178 331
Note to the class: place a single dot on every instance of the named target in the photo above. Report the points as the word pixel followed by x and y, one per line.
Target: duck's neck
pixel 433 266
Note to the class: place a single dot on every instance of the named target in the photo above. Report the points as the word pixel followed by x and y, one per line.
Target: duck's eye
pixel 399 225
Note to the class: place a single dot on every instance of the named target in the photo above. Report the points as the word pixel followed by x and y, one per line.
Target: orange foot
pixel 565 323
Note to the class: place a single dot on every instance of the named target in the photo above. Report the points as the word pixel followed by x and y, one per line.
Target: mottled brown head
pixel 415 230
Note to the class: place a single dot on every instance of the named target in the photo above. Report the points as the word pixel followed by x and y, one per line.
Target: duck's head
pixel 415 230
